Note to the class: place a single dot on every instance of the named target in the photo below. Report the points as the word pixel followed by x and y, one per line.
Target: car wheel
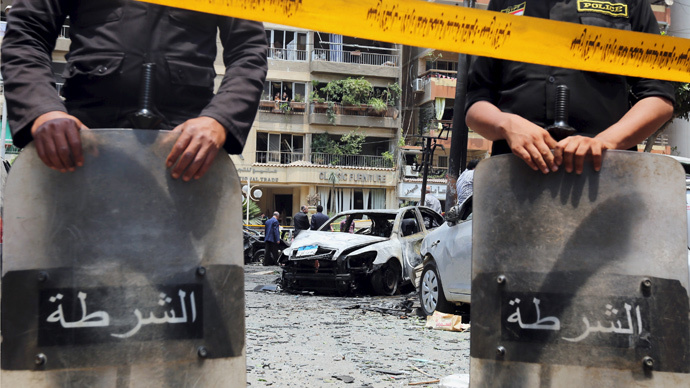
pixel 386 280
pixel 260 257
pixel 431 295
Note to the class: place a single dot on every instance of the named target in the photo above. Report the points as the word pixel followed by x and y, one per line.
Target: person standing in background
pixel 271 238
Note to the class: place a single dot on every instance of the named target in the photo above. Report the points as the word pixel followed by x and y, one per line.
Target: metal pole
pixel 426 155
pixel 460 133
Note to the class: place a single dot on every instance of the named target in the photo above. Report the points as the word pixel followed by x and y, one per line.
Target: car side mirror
pixel 459 212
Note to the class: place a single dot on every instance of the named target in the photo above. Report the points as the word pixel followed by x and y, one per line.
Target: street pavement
pixel 310 341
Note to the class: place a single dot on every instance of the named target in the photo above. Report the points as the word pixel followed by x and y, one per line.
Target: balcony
pixel 435 83
pixel 355 62
pixel 287 55
pixel 352 115
pixel 320 159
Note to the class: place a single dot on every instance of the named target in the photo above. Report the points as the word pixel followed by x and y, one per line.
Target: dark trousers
pixel 271 256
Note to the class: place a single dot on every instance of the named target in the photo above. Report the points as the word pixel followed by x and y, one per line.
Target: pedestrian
pixel 431 201
pixel 465 181
pixel 510 102
pixel 271 239
pixel 318 219
pixel 104 71
pixel 301 220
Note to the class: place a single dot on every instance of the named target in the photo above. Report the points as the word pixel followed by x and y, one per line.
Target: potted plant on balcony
pixel 377 107
pixel 266 104
pixel 355 93
pixel 391 95
pixel 318 103
pixel 298 104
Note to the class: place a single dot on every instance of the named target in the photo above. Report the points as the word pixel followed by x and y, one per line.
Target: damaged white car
pixel 358 249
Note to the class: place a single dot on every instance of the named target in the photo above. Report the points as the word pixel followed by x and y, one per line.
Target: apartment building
pixel 302 109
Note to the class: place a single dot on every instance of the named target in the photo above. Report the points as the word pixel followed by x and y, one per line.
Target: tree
pixel 681 110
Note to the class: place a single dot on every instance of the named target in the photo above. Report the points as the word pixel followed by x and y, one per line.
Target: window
pixel 279 148
pixel 287 45
pixel 443 161
pixel 284 91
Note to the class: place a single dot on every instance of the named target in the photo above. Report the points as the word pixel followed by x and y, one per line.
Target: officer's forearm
pixel 486 119
pixel 642 120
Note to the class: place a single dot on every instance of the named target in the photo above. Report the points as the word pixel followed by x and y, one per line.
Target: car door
pixel 411 233
pixel 454 260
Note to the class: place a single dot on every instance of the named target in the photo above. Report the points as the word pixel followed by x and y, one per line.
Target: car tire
pixel 260 257
pixel 431 296
pixel 386 281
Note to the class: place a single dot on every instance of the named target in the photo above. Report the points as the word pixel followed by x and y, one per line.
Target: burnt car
pixel 255 247
pixel 359 250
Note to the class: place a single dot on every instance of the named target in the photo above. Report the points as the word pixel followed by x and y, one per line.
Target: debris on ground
pixel 455 381
pixel 450 322
pixel 267 288
pixel 344 378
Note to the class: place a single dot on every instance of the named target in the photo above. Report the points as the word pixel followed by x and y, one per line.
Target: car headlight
pixel 363 260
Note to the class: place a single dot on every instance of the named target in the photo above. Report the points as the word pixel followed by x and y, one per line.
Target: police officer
pixel 110 41
pixel 510 102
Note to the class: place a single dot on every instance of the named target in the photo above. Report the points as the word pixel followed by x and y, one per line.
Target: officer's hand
pixel 195 149
pixel 530 143
pixel 56 135
pixel 573 150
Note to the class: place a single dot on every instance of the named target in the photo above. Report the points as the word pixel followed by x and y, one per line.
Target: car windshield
pixel 371 224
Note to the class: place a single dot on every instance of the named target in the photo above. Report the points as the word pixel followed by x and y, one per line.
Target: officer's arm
pixel 226 121
pixel 643 119
pixel 528 141
pixel 35 111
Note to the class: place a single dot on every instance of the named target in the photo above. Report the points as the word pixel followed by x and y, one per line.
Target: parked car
pixel 446 267
pixel 255 247
pixel 358 249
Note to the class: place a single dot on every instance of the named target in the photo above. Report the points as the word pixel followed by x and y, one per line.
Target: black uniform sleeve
pixel 484 76
pixel 32 30
pixel 643 20
pixel 236 103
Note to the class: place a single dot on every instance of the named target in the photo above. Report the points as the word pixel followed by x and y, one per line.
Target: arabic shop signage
pixel 257 174
pixel 70 316
pixel 344 177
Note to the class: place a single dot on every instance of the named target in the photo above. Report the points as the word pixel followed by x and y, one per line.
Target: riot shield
pixel 117 275
pixel 580 280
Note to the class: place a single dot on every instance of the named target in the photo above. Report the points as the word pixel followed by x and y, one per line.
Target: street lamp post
pixel 247 191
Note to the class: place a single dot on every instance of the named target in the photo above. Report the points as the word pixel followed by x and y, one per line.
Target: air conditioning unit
pixel 410 172
pixel 419 85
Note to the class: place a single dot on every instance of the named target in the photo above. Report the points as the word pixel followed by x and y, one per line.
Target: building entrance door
pixel 283 205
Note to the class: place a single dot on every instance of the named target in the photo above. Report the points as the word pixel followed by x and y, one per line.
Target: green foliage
pixel 254 212
pixel 349 91
pixel 348 144
pixel 299 98
pixel 351 143
pixel 322 143
pixel 314 96
pixel 401 138
pixel 392 94
pixel 388 158
pixel 681 109
pixel 330 112
pixel 377 104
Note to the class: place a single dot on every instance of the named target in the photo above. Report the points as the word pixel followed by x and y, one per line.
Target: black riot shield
pixel 580 281
pixel 117 275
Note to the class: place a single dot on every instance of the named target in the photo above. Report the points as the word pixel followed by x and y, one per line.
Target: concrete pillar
pixel 679 131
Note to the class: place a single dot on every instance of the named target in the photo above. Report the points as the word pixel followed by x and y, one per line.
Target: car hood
pixel 332 240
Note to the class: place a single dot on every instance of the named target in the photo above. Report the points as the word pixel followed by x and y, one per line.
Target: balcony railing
pixel 357 57
pixel 351 110
pixel 287 55
pixel 284 107
pixel 318 158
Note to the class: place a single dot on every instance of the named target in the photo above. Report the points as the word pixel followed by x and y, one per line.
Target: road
pixel 310 341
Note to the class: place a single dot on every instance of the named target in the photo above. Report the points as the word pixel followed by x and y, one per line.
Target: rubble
pixel 314 341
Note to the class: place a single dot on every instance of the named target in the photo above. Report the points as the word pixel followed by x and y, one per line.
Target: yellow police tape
pixel 471 31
